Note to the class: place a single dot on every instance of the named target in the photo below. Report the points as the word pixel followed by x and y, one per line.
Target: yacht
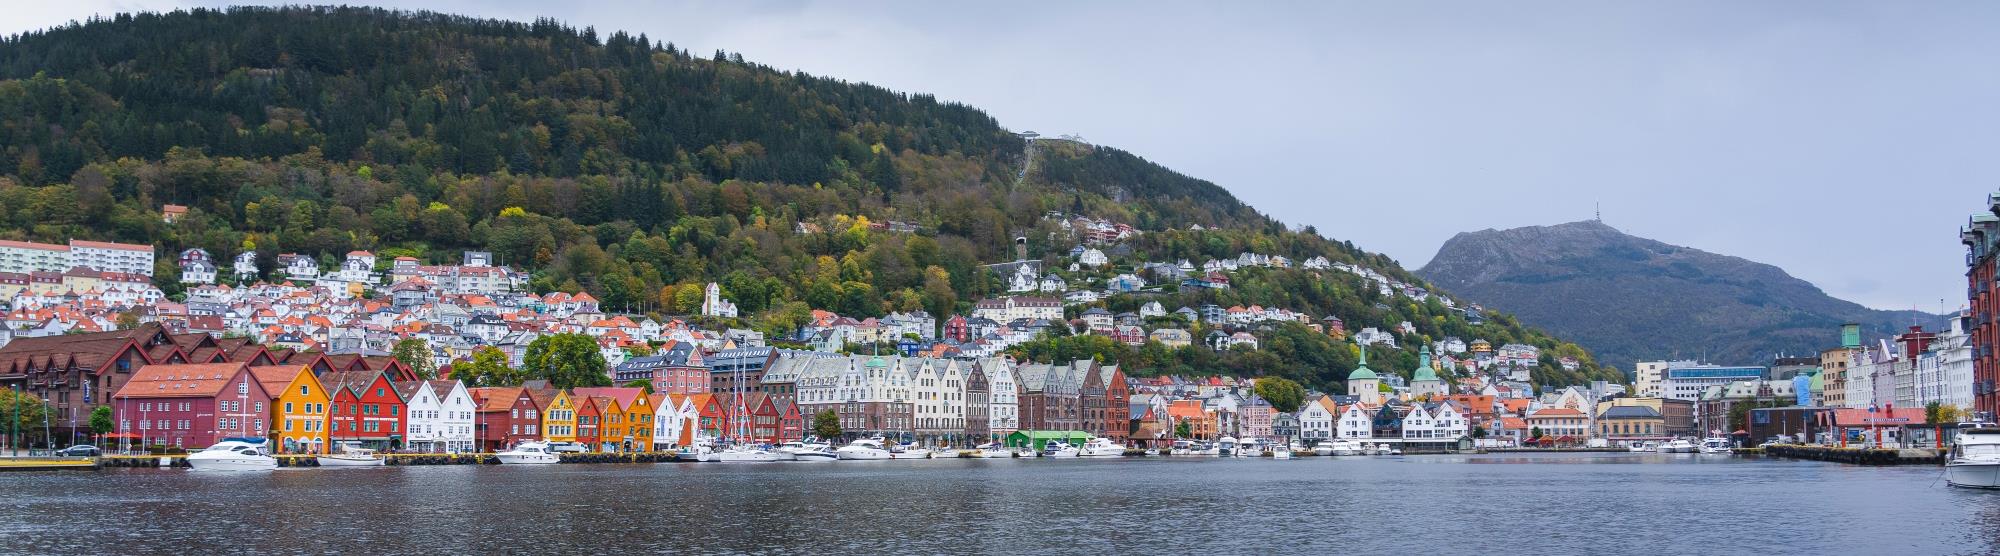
pixel 1715 445
pixel 1181 448
pixel 234 454
pixel 991 451
pixel 1281 452
pixel 1678 446
pixel 351 455
pixel 531 452
pixel 1322 448
pixel 798 451
pixel 746 453
pixel 1641 446
pixel 1101 447
pixel 1383 449
pixel 1974 459
pixel 863 449
pixel 909 451
pixel 1058 450
pixel 1250 448
pixel 1226 446
pixel 1347 448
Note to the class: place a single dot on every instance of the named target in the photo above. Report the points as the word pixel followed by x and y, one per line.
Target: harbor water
pixel 1579 503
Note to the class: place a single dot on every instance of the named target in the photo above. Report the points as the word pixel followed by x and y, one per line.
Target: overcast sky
pixel 1843 142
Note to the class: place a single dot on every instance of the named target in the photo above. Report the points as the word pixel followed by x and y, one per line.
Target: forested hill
pixel 618 164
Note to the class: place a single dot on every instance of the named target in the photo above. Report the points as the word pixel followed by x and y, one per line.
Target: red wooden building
pixel 192 406
pixel 366 408
pixel 506 416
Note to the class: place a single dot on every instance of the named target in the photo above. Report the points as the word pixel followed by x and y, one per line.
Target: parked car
pixel 80 451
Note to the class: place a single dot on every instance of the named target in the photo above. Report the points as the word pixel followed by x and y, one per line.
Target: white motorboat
pixel 810 450
pixel 1975 459
pixel 909 451
pixel 1225 446
pixel 1383 449
pixel 234 454
pixel 1152 451
pixel 863 449
pixel 746 453
pixel 532 452
pixel 695 453
pixel 991 451
pixel 1641 446
pixel 351 455
pixel 1100 447
pixel 1059 450
pixel 1347 448
pixel 1322 448
pixel 1678 446
pixel 1715 445
pixel 1281 452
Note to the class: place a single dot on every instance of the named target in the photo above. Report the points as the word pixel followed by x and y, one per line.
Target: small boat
pixel 1383 449
pixel 351 455
pixel 1100 447
pixel 1225 446
pixel 991 451
pixel 746 453
pixel 1281 452
pixel 1348 448
pixel 1152 451
pixel 532 452
pixel 1678 446
pixel 694 453
pixel 1715 445
pixel 1642 446
pixel 1974 459
pixel 810 450
pixel 1059 450
pixel 234 454
pixel 863 449
pixel 1322 448
pixel 1250 448
pixel 1395 451
pixel 909 451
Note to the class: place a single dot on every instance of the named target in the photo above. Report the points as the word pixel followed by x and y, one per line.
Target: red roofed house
pixel 192 406
pixel 507 416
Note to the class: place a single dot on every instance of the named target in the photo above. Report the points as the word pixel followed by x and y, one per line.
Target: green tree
pixel 1535 433
pixel 1284 394
pixel 1183 430
pixel 826 425
pixel 416 353
pixel 566 361
pixel 641 384
pixel 100 421
pixel 26 411
pixel 488 367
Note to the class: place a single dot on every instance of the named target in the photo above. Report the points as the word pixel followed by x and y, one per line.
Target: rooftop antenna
pixel 1599 211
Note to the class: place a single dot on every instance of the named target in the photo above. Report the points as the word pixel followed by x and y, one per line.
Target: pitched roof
pixel 180 381
pixel 276 377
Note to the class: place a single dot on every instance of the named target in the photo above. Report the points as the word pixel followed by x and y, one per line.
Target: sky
pixel 1843 142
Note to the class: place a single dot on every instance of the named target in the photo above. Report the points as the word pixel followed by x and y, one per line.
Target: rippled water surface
pixel 1543 503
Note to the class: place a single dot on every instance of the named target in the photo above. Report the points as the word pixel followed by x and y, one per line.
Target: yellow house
pixel 558 415
pixel 298 408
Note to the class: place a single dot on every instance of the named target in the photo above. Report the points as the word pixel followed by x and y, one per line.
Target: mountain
pixel 1631 299
pixel 630 168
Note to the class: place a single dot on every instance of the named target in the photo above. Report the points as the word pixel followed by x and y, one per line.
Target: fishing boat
pixel 351 455
pixel 1974 459
pixel 1059 450
pixel 532 452
pixel 746 453
pixel 1715 445
pixel 991 450
pixel 909 451
pixel 234 454
pixel 863 449
pixel 1100 447
pixel 1678 446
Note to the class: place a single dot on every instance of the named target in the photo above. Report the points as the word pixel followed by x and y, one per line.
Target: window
pixel 302 391
pixel 243 387
pixel 288 407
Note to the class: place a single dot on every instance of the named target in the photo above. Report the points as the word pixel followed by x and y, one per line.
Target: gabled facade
pixel 193 406
pixel 366 408
pixel 299 408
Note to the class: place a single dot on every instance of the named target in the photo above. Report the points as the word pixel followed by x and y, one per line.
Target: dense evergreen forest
pixel 618 164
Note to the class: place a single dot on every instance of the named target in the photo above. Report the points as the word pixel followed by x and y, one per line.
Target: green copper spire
pixel 1361 372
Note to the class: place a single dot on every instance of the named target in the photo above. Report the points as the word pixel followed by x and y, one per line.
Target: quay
pixel 45 463
pixel 1856 456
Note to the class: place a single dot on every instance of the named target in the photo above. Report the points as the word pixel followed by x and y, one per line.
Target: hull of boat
pixel 233 463
pixel 1070 453
pixel 1281 454
pixel 338 461
pixel 1973 474
pixel 861 454
pixel 992 454
pixel 815 456
pixel 911 454
pixel 1322 451
pixel 745 457
pixel 526 459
